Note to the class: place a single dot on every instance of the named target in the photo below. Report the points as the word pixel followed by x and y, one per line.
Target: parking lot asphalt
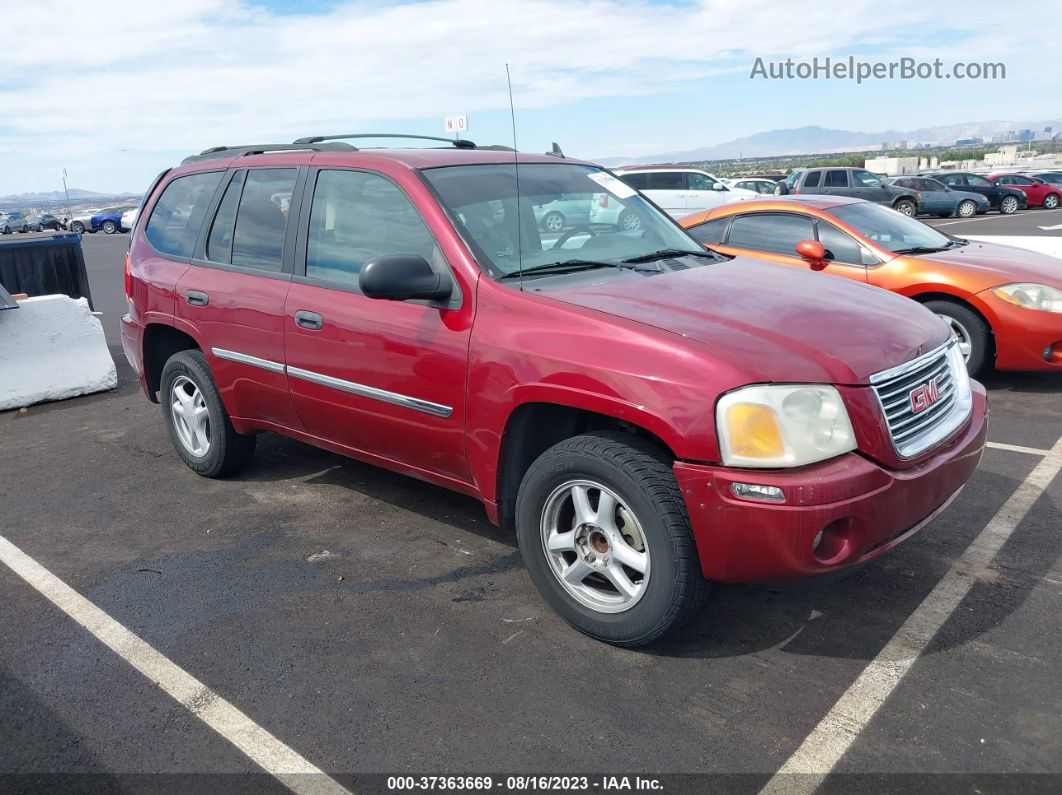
pixel 1024 222
pixel 379 625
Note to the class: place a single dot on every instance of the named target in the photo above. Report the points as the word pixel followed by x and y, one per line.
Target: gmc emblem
pixel 924 396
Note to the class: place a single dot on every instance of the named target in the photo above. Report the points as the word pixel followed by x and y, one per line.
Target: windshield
pixel 568 214
pixel 889 229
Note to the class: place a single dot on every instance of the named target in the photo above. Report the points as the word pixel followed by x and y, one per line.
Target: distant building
pixel 892 166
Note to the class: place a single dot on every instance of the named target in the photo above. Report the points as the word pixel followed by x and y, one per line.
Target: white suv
pixel 679 191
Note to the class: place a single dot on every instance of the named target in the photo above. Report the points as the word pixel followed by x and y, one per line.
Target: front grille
pixel 915 431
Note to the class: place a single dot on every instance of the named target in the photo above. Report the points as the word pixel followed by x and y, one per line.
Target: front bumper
pixel 1023 335
pixel 862 509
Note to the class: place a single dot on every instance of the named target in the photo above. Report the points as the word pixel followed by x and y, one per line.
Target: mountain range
pixel 815 139
pixel 76 194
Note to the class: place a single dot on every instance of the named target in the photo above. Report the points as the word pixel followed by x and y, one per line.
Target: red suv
pixel 648 415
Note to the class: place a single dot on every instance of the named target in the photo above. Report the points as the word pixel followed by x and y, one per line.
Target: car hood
pixel 775 323
pixel 993 264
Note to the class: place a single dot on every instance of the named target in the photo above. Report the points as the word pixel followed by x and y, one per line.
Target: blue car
pixel 936 198
pixel 109 220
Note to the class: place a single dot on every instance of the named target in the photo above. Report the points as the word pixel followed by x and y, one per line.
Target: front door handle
pixel 196 298
pixel 308 320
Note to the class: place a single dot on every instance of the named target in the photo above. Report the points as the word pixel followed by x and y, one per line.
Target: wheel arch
pixel 161 341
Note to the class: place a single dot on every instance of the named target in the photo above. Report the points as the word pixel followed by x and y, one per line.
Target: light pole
pixel 69 212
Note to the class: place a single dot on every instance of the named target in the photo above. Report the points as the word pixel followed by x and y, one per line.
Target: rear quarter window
pixel 179 212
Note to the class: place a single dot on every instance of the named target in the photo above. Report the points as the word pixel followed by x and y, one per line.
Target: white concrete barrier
pixel 1043 244
pixel 51 348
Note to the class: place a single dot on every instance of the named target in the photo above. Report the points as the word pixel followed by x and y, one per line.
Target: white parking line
pixel 992 218
pixel 809 765
pixel 263 748
pixel 1017 448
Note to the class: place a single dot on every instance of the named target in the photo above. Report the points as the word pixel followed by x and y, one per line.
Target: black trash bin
pixel 51 265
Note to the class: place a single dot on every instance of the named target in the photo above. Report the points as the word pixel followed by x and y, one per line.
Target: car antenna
pixel 516 169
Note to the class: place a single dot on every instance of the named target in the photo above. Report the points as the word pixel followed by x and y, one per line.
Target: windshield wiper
pixel 568 266
pixel 666 253
pixel 919 250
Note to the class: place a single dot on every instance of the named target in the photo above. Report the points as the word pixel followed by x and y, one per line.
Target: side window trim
pixel 212 216
pixel 300 244
pixel 218 191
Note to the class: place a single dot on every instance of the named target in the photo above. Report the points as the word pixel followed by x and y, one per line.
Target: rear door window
pixel 777 233
pixel 262 218
pixel 836 179
pixel 219 243
pixel 179 213
pixel 636 181
pixel 667 180
pixel 813 179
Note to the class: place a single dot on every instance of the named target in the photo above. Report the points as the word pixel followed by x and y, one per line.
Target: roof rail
pixel 257 149
pixel 460 143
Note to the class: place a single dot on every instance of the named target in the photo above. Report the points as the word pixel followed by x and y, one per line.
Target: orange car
pixel 1003 303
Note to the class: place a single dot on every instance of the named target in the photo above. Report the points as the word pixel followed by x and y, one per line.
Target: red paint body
pixel 1036 190
pixel 655 353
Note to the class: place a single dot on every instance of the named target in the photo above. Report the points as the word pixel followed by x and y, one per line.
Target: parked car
pixel 1003 304
pixel 128 219
pixel 1000 197
pixel 1050 177
pixel 109 220
pixel 1037 192
pixel 12 222
pixel 936 198
pixel 761 186
pixel 81 221
pixel 42 221
pixel 857 183
pixel 679 191
pixel 641 435
pixel 558 214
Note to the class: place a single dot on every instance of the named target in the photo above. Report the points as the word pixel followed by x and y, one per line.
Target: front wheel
pixel 1051 201
pixel 905 207
pixel 966 209
pixel 604 534
pixel 972 333
pixel 110 227
pixel 1009 205
pixel 78 227
pixel 629 221
pixel 198 425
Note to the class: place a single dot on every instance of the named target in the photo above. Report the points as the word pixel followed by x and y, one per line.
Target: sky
pixel 116 97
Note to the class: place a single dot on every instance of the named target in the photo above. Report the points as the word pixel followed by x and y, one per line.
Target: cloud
pixel 165 77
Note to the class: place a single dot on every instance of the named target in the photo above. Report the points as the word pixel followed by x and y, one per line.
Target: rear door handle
pixel 308 320
pixel 196 298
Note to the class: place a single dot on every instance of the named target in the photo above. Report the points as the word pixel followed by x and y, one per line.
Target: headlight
pixel 1031 296
pixel 782 425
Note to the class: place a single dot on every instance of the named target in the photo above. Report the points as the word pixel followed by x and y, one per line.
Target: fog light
pixel 754 491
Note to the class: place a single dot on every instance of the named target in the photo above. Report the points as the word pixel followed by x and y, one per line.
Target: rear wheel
pixel 196 419
pixel 1009 205
pixel 905 207
pixel 604 533
pixel 78 227
pixel 1051 201
pixel 966 209
pixel 975 339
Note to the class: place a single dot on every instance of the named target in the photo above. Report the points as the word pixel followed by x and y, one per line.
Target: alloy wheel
pixel 191 417
pixel 595 546
pixel 961 334
pixel 1008 205
pixel 967 209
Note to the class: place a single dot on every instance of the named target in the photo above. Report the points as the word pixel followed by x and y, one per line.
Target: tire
pixel 967 208
pixel 649 511
pixel 973 333
pixel 906 207
pixel 1008 205
pixel 78 227
pixel 224 450
pixel 7 230
pixel 629 221
pixel 1051 201
pixel 553 221
pixel 109 227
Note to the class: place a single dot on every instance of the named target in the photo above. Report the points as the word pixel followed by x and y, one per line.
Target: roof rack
pixel 257 149
pixel 460 143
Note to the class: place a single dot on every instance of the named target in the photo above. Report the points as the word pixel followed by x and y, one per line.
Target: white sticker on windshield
pixel 617 188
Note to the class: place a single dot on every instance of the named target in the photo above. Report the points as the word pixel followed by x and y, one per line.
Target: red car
pixel 647 415
pixel 1040 193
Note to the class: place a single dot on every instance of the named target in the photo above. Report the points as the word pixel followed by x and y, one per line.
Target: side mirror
pixel 811 250
pixel 718 186
pixel 403 277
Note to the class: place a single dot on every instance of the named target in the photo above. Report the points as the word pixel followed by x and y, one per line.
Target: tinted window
pixel 836 179
pixel 776 233
pixel 636 181
pixel 931 184
pixel 1020 181
pixel 839 246
pixel 953 179
pixel 258 240
pixel 667 180
pixel 179 213
pixel 700 181
pixel 980 182
pixel 813 179
pixel 904 183
pixel 357 216
pixel 864 179
pixel 219 244
pixel 709 231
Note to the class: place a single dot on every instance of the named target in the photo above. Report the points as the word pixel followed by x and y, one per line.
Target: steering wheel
pixel 570 233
